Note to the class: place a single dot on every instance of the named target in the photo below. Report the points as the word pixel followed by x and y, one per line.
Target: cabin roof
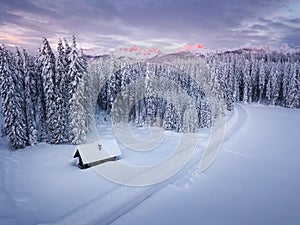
pixel 90 152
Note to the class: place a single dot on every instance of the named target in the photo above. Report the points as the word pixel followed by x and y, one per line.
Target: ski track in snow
pixel 237 153
pixel 19 207
pixel 123 199
pixel 236 121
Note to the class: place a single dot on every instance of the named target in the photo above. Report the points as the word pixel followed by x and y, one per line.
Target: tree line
pixel 53 98
pixel 271 78
pixel 39 94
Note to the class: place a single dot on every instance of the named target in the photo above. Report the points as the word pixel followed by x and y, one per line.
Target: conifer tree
pixel 30 92
pixel 285 82
pixel 61 93
pixel 41 101
pixel 76 73
pixel 12 99
pixel 48 76
pixel 275 83
pixel 246 81
pixel 293 89
pixel 262 77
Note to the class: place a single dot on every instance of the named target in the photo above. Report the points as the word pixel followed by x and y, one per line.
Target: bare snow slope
pixel 255 180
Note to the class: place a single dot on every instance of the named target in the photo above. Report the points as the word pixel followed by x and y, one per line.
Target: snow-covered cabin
pixel 93 154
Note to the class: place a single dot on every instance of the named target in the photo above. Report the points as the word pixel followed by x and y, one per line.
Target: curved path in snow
pixel 255 179
pixel 117 202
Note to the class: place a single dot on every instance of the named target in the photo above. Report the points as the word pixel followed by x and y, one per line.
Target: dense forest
pixel 266 77
pixel 54 97
pixel 38 94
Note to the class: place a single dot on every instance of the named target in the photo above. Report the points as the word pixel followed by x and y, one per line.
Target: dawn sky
pixel 166 24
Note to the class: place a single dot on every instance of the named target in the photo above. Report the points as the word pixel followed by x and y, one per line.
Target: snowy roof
pixel 91 152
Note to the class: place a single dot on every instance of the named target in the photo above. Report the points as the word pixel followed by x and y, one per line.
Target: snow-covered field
pixel 254 180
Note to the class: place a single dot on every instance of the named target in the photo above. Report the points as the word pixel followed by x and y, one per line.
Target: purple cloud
pixel 165 23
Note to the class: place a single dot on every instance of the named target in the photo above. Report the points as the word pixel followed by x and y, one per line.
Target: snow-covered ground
pixel 254 180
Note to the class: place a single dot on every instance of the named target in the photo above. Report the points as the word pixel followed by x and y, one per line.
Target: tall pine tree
pixel 76 73
pixel 11 84
pixel 48 76
pixel 61 93
pixel 30 96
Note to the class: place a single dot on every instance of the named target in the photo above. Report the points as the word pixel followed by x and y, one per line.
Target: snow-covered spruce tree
pixel 285 82
pixel 268 90
pixel 230 86
pixel 65 59
pixel 2 130
pixel 61 93
pixel 293 100
pixel 275 85
pixel 237 81
pixel 205 118
pixel 48 76
pixel 280 82
pixel 221 75
pixel 30 96
pixel 254 79
pixel 89 90
pixel 150 94
pixel 246 81
pixel 76 73
pixel 168 120
pixel 139 117
pixel 41 101
pixel 12 100
pixel 251 79
pixel 19 72
pixel 261 82
pixel 5 78
pixel 239 76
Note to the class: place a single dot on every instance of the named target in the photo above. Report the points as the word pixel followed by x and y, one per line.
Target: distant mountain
pixel 191 47
pixel 184 52
pixel 248 49
pixel 197 49
pixel 171 57
pixel 135 51
pixel 288 48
